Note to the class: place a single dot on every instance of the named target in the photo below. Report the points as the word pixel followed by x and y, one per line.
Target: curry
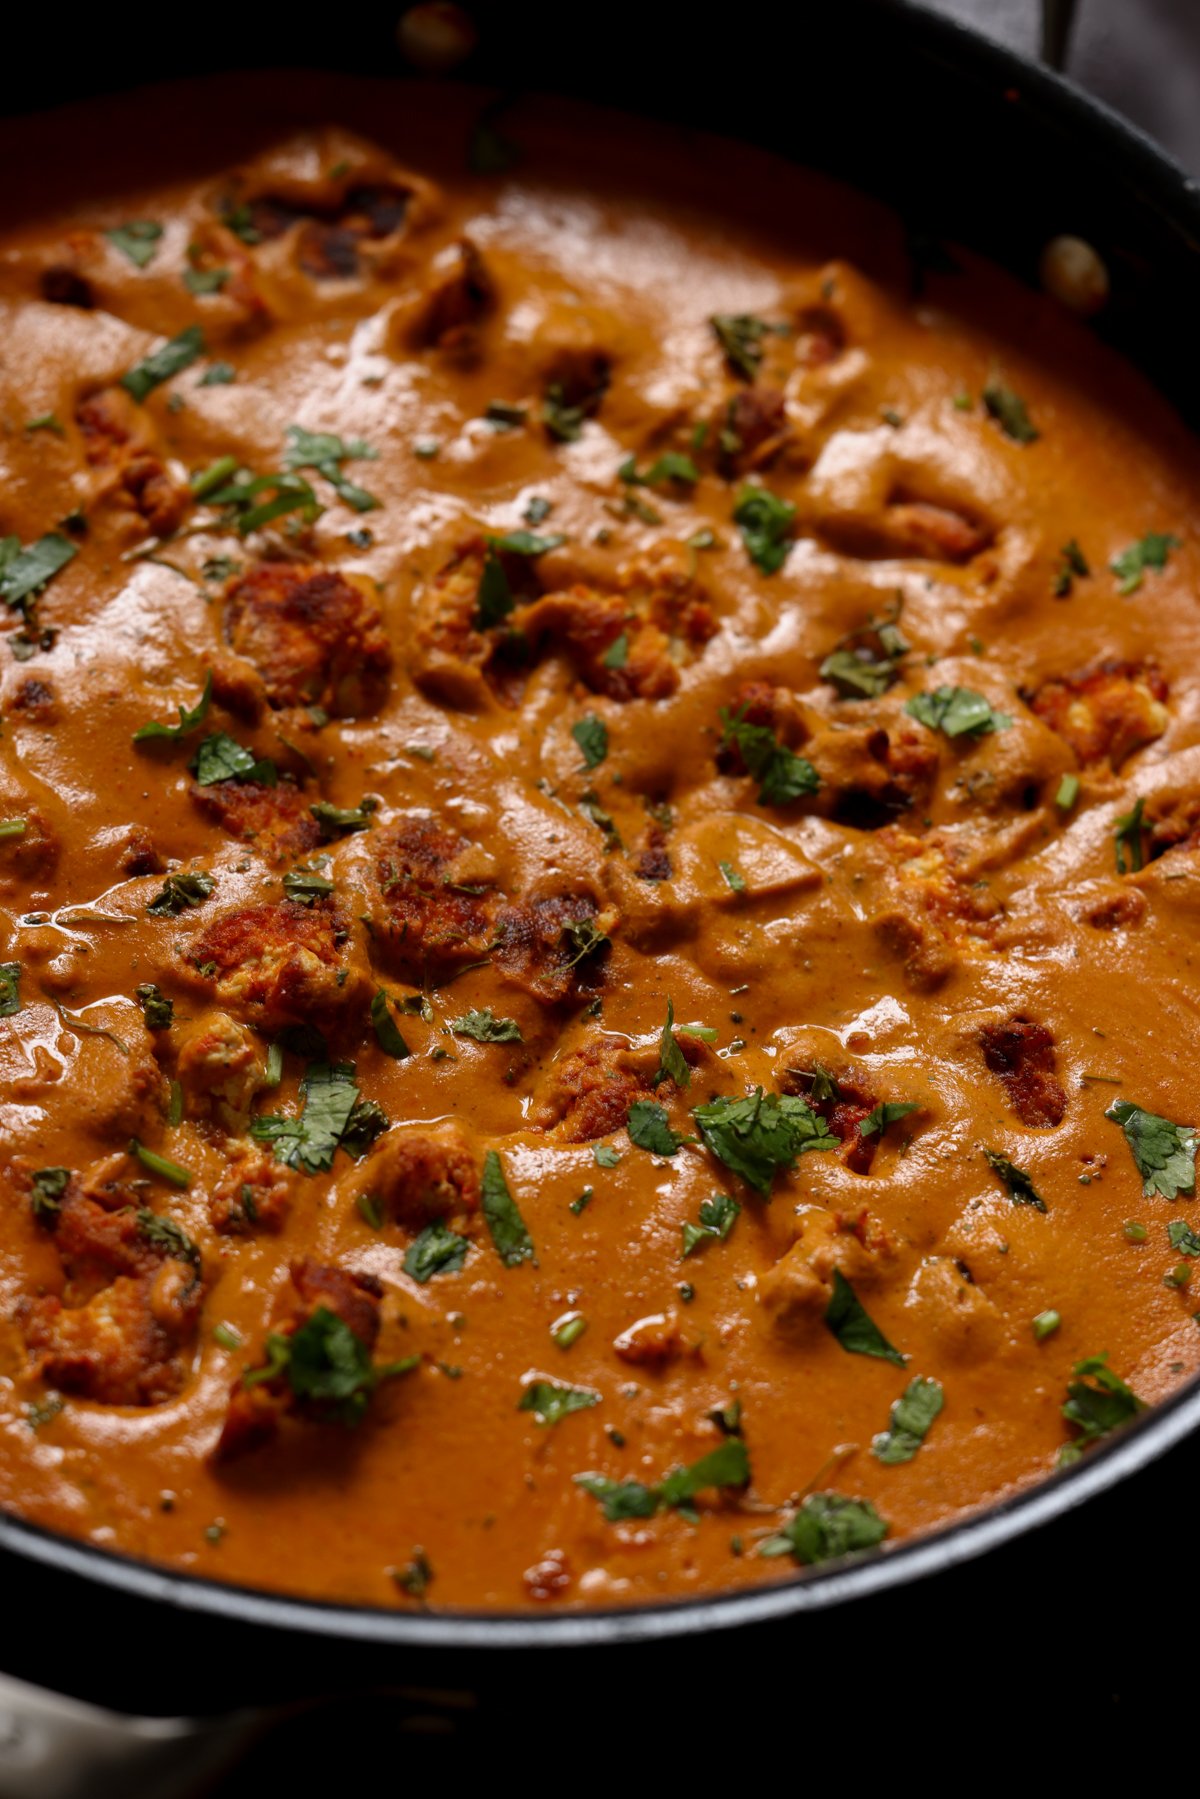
pixel 599 857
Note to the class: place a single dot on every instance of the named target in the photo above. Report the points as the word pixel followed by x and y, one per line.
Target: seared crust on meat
pixel 118 438
pixel 1020 1053
pixel 1105 712
pixel 280 963
pixel 277 820
pixel 314 635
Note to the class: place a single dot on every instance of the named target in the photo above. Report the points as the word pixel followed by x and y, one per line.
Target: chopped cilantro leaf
pixel 24 572
pixel 190 718
pixel 179 891
pixel 1010 413
pixel 888 1113
pixel 165 1234
pixel 761 1133
pixel 726 1466
pixel 552 1400
pixel 305 886
pixel 718 1216
pixel 1150 551
pixel 485 1028
pixel 956 712
pixel 912 1415
pixel 10 989
pixel 673 466
pixel 650 1129
pixel 171 358
pixel 326 1366
pixel 157 1009
pixel 591 734
pixel 740 336
pixel 826 1527
pixel 512 1240
pixel 220 757
pixel 1165 1153
pixel 765 522
pixel 438 1250
pixel 387 1031
pixel 852 1325
pixel 1098 1402
pixel 138 240
pixel 782 775
pixel 605 1156
pixel 1020 1184
pixel 46 1192
pixel 325 452
pixel 310 1140
pixel 338 821
pixel 494 597
pixel 1127 838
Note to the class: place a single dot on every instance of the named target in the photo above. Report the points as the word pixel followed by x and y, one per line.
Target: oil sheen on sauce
pixel 565 780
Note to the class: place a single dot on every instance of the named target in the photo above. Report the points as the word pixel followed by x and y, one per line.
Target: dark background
pixel 1060 1651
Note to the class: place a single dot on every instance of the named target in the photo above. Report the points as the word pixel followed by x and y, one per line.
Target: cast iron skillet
pixel 971 144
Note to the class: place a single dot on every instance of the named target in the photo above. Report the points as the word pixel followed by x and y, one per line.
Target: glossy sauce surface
pixel 939 912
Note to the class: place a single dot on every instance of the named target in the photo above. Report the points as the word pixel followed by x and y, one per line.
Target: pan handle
pixel 1058 16
pixel 57 1748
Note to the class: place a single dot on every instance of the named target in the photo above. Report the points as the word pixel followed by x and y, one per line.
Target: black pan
pixel 974 145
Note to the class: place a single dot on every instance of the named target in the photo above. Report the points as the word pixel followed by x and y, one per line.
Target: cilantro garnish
pixel 305 886
pixel 138 240
pixel 852 1325
pixel 782 775
pixel 886 1114
pixel 337 821
pixel 726 1466
pixel 24 572
pixel 512 1240
pixel 1010 413
pixel 179 891
pixel 673 466
pixel 310 1140
pixel 485 1028
pixel 956 712
pixel 826 1527
pixel 157 1009
pixel 1020 1184
pixel 46 1193
pixel 165 1234
pixel 718 1216
pixel 438 1250
pixel 591 734
pixel 740 335
pixel 326 1366
pixel 10 989
pixel 325 452
pixel 1072 563
pixel 912 1415
pixel 220 757
pixel 650 1129
pixel 552 1400
pixel 1127 837
pixel 1151 551
pixel 761 1133
pixel 1165 1153
pixel 765 522
pixel 1098 1402
pixel 171 358
pixel 190 718
pixel 387 1031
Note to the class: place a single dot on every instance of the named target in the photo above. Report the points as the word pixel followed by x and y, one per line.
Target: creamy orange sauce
pixel 888 927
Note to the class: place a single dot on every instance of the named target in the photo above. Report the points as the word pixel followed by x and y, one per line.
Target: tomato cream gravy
pixel 626 1031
